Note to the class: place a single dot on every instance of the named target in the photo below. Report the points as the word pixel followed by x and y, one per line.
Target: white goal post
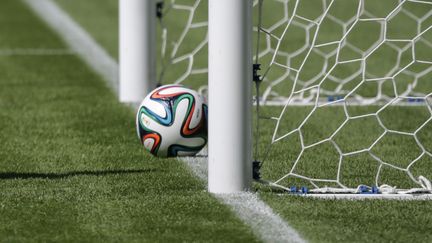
pixel 230 65
pixel 137 49
pixel 230 98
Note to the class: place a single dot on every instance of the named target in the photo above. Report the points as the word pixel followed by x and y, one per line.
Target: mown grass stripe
pixel 77 39
pixel 266 224
pixel 35 52
pixel 69 154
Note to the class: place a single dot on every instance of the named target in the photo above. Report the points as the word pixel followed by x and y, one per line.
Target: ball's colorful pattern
pixel 172 121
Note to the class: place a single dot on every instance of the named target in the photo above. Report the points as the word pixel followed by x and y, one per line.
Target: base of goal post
pixel 422 194
pixel 405 197
pixel 362 192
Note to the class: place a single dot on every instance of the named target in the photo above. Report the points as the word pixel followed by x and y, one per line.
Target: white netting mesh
pixel 354 81
pixel 184 43
pixel 331 47
pixel 351 55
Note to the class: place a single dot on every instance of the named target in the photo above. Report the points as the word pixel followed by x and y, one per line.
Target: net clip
pixel 256 76
pixel 256 167
pixel 159 9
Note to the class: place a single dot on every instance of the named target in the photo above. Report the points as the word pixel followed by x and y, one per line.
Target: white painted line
pixel 198 164
pixel 260 217
pixel 77 39
pixel 248 207
pixel 267 225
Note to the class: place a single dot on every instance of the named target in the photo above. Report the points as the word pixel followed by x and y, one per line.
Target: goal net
pixel 345 88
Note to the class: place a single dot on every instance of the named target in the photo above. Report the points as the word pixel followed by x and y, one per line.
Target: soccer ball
pixel 172 121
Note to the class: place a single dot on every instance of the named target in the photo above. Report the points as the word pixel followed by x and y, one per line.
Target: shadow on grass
pixel 55 176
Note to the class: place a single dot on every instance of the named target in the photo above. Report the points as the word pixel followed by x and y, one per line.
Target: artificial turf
pixel 71 166
pixel 331 220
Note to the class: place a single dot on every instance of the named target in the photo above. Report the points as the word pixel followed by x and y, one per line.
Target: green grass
pixel 71 166
pixel 100 17
pixel 355 221
pixel 319 220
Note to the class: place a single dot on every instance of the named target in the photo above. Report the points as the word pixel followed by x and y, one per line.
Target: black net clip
pixel 256 167
pixel 159 9
pixel 256 76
